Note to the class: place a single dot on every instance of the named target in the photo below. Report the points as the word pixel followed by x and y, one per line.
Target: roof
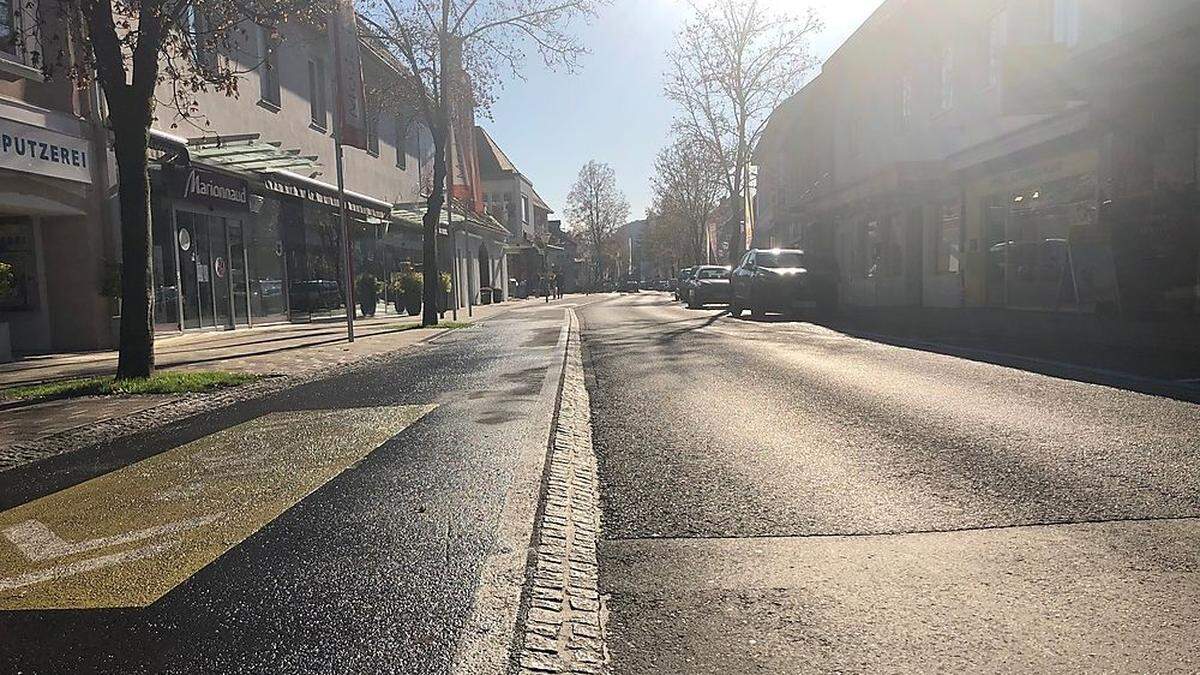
pixel 484 142
pixel 539 202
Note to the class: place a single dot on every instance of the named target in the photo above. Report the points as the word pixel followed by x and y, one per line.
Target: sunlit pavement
pixel 342 526
pixel 779 497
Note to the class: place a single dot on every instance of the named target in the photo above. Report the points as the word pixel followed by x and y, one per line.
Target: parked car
pixel 782 281
pixel 681 284
pixel 631 285
pixel 709 285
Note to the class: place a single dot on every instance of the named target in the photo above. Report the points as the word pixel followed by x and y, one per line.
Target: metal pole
pixel 348 273
pixel 453 258
pixel 467 260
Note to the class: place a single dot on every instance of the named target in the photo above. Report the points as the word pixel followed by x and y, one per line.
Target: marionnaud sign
pixel 44 152
pixel 216 189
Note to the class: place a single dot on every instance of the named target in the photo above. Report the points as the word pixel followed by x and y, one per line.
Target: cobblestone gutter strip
pixel 564 627
pixel 171 411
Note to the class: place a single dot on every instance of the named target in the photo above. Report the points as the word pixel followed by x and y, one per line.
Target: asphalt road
pixel 351 526
pixel 779 497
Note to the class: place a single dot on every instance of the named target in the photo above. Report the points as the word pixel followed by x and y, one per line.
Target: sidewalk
pixel 279 350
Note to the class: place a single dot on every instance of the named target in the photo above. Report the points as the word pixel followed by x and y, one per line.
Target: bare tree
pixel 454 53
pixel 596 207
pixel 687 189
pixel 138 52
pixel 733 63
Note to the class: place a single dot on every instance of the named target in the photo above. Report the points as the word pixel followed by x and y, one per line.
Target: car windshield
pixel 779 259
pixel 713 273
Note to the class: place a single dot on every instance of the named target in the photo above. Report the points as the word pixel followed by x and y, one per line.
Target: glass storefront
pixel 18 250
pixel 265 263
pixel 1044 248
pixel 208 271
pixel 282 261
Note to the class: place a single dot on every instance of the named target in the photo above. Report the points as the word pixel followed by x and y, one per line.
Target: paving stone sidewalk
pixel 286 355
pixel 564 627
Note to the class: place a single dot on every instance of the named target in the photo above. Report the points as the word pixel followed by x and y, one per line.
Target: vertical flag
pixel 350 113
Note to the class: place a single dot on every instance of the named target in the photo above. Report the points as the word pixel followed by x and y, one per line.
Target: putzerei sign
pixel 214 189
pixel 43 152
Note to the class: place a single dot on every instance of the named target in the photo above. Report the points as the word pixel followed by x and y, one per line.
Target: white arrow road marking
pixel 81 566
pixel 38 542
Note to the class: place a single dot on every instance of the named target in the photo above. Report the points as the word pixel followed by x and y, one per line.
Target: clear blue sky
pixel 612 110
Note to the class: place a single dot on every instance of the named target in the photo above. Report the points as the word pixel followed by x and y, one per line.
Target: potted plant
pixel 407 288
pixel 367 290
pixel 8 282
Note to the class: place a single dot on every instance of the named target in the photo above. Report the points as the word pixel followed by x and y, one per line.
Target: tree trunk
pixel 130 140
pixel 433 215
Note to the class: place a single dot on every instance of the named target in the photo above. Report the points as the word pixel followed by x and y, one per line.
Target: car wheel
pixel 758 312
pixel 735 310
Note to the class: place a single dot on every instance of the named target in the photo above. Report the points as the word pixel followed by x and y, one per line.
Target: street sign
pixel 125 539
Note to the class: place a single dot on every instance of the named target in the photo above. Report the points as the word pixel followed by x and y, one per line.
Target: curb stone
pixel 564 627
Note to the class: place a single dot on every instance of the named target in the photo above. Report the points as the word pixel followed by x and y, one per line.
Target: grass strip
pixel 167 382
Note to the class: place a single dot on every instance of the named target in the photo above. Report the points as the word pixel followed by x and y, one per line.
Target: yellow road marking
pixel 126 538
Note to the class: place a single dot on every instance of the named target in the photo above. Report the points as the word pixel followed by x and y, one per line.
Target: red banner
pixel 350 113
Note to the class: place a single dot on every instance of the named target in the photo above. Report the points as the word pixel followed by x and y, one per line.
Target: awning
pixel 412 215
pixel 246 152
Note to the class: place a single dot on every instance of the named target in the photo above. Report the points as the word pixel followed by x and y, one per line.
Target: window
pixel 372 124
pixel 870 249
pixel 947 78
pixel 949 235
pixel 524 209
pixel 997 41
pixel 268 69
pixel 402 140
pixel 906 99
pixel 17 249
pixel 8 27
pixel 781 260
pixel 1066 22
pixel 316 93
pixel 201 40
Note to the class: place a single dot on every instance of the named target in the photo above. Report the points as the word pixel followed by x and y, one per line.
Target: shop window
pixel 17 249
pixel 948 237
pixel 166 271
pixel 265 262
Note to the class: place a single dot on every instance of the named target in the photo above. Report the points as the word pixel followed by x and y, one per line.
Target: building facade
pixel 509 197
pixel 1012 154
pixel 244 202
pixel 52 221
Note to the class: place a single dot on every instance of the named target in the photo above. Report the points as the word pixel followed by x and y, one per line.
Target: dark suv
pixel 783 281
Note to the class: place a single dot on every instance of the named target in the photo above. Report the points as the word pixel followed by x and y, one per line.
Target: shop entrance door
pixel 207 271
